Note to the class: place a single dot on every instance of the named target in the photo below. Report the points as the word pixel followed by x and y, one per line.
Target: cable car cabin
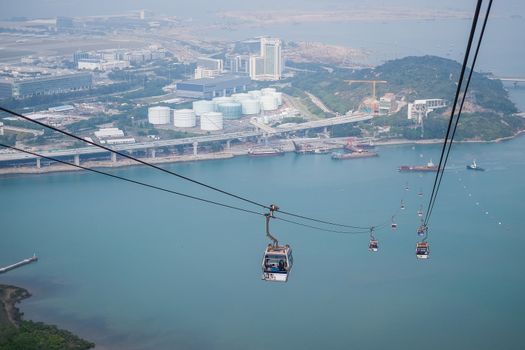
pixel 277 263
pixel 373 246
pixel 394 226
pixel 421 230
pixel 422 250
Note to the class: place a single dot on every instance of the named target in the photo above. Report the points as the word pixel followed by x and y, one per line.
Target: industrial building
pixel 208 88
pixel 101 65
pixel 49 85
pixel 269 64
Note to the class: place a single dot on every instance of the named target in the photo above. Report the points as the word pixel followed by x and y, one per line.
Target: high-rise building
pixel 238 64
pixel 269 64
pixel 210 63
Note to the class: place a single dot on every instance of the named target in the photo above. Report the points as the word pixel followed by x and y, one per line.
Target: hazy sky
pixel 198 8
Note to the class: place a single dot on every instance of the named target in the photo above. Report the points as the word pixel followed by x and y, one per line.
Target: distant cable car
pixel 406 187
pixel 420 193
pixel 277 260
pixel 393 224
pixel 422 230
pixel 420 211
pixel 422 250
pixel 373 245
pixel 402 205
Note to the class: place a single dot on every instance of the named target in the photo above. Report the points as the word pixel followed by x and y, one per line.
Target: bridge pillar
pixel 38 165
pixel 77 159
pixel 113 157
pixel 228 144
pixel 153 153
pixel 195 148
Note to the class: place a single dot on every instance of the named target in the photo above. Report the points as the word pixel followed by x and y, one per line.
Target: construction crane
pixel 373 82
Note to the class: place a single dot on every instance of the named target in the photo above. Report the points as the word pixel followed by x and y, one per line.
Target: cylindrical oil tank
pixel 203 106
pixel 268 91
pixel 159 115
pixel 279 97
pixel 219 100
pixel 251 106
pixel 230 110
pixel 212 121
pixel 255 94
pixel 268 103
pixel 241 97
pixel 184 118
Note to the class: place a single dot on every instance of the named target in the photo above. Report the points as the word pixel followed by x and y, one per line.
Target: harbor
pixel 27 261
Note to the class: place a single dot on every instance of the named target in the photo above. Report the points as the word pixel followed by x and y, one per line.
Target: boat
pixel 366 145
pixel 353 155
pixel 265 152
pixel 474 166
pixel 430 167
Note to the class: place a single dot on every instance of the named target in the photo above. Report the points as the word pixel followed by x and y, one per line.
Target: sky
pixel 197 8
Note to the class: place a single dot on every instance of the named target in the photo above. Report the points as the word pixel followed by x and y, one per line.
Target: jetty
pixel 18 264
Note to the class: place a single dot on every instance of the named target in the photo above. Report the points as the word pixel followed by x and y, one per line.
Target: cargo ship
pixel 265 152
pixel 430 167
pixel 354 155
pixel 474 166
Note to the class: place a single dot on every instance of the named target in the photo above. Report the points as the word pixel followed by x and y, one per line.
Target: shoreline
pixel 337 143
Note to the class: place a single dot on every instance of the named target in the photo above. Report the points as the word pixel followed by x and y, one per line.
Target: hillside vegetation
pixel 488 113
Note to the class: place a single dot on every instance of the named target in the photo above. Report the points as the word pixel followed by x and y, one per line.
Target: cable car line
pixel 440 169
pixel 135 181
pixel 176 174
pixel 133 158
pixel 174 192
pixel 429 212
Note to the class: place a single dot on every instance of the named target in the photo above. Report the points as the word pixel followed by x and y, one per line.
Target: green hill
pixel 488 113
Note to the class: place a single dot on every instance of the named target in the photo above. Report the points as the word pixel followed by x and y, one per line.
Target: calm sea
pixel 130 268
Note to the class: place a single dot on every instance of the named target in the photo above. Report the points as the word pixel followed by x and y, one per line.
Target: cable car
pixel 422 250
pixel 402 206
pixel 277 260
pixel 420 193
pixel 406 187
pixel 277 263
pixel 373 245
pixel 421 230
pixel 420 212
pixel 393 224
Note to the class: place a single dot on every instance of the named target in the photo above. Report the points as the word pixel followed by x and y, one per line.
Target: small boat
pixel 430 167
pixel 354 155
pixel 474 166
pixel 264 152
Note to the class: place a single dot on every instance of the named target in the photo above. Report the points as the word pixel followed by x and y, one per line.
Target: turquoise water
pixel 131 268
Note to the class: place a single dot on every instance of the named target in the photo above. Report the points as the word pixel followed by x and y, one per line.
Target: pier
pixel 19 264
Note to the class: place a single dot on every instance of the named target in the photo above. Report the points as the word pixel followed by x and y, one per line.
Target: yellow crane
pixel 373 82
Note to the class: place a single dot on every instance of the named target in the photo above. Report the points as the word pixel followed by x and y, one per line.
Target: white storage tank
pixel 250 107
pixel 241 97
pixel 279 97
pixel 269 103
pixel 159 115
pixel 203 106
pixel 212 121
pixel 268 91
pixel 184 118
pixel 255 94
pixel 218 100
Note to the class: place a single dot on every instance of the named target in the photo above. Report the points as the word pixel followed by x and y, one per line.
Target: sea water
pixel 133 268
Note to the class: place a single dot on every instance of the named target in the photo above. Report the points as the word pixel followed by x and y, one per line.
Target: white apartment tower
pixel 269 64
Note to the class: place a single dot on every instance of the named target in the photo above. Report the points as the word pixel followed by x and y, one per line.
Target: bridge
pixel 151 146
pixel 511 79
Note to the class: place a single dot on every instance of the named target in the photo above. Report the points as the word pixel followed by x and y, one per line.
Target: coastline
pixel 17 333
pixel 335 144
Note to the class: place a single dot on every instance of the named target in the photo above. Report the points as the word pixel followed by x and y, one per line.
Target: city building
pixel 205 73
pixel 269 64
pixel 210 63
pixel 49 85
pixel 80 55
pixel 208 88
pixel 387 104
pixel 238 64
pixel 101 65
pixel 64 23
pixel 421 108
